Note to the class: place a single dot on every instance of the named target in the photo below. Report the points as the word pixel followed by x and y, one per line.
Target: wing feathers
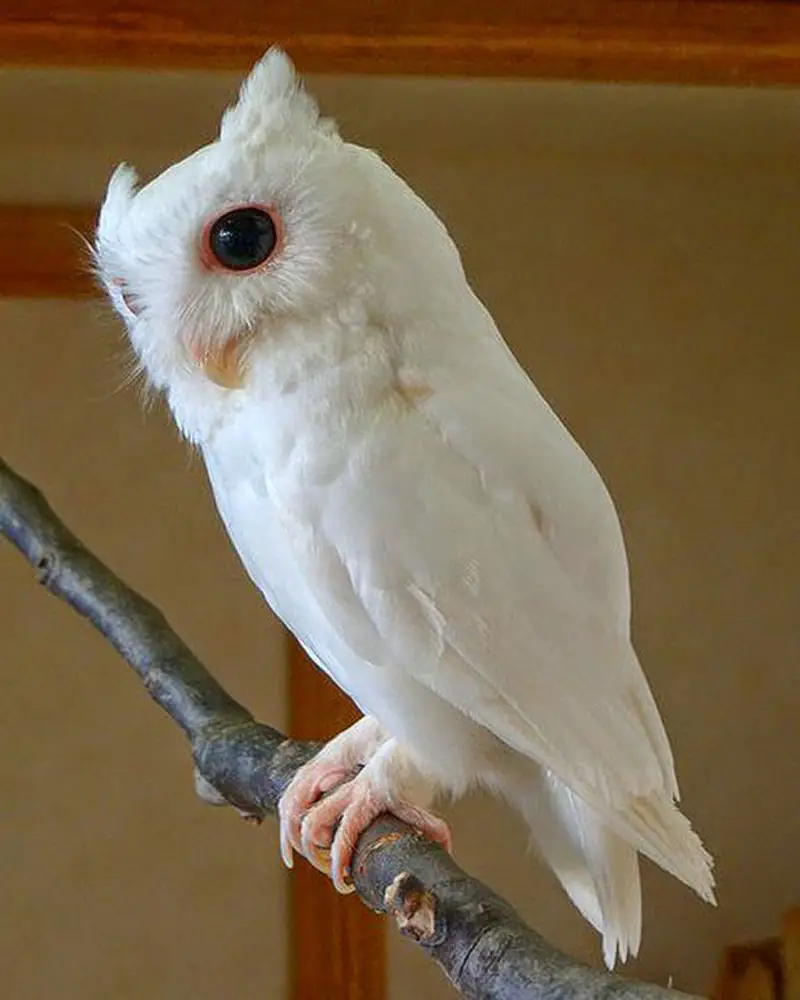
pixel 469 542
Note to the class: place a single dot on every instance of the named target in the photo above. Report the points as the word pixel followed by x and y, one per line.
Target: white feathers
pixel 400 492
pixel 598 869
pixel 272 101
pixel 273 150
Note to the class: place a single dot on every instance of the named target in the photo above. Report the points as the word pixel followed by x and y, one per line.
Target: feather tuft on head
pixel 272 100
pixel 119 195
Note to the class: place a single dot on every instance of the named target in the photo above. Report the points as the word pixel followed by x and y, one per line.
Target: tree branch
pixel 478 940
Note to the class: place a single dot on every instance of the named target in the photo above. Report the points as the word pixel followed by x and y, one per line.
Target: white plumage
pixel 404 498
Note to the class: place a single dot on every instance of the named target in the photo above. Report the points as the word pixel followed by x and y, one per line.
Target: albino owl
pixel 406 501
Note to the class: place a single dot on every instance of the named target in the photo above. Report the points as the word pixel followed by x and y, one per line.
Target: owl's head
pixel 258 225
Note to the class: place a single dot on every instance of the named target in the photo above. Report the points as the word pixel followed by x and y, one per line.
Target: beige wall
pixel 639 249
pixel 114 880
pixel 657 305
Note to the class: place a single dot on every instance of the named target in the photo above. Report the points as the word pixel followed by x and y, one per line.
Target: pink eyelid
pixel 207 258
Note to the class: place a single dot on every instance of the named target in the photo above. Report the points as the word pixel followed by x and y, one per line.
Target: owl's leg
pixel 388 783
pixel 337 761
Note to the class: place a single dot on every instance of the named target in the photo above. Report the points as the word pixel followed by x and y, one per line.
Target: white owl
pixel 404 498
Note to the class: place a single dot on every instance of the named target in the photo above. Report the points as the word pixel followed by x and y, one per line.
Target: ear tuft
pixel 272 99
pixel 119 195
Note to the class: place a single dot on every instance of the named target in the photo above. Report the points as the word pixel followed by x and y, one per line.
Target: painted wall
pixel 638 247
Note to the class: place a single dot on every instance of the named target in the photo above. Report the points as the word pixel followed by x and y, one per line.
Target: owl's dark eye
pixel 241 239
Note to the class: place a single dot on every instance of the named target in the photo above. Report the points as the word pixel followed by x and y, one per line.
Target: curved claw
pixel 311 782
pixel 336 822
pixel 336 763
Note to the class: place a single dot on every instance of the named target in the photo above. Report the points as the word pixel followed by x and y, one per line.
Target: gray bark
pixel 478 940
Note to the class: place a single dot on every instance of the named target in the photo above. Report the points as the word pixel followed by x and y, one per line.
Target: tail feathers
pixel 597 868
pixel 662 833
pixel 613 867
pixel 594 853
pixel 616 872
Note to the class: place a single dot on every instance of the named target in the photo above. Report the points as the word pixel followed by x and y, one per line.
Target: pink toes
pixel 334 825
pixel 331 801
pixel 331 828
pixel 430 826
pixel 308 785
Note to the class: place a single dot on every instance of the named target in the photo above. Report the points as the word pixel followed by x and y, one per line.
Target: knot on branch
pixel 412 906
pixel 46 567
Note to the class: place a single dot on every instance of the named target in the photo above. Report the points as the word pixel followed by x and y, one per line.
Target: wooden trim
pixel 41 253
pixel 338 946
pixel 699 41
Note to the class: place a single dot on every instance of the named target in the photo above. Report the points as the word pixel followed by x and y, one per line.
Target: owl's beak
pixel 222 363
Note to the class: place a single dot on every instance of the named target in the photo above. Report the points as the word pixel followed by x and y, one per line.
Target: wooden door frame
pixel 695 41
pixel 338 948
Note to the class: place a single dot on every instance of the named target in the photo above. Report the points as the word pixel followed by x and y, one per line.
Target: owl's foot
pixel 331 828
pixel 338 761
